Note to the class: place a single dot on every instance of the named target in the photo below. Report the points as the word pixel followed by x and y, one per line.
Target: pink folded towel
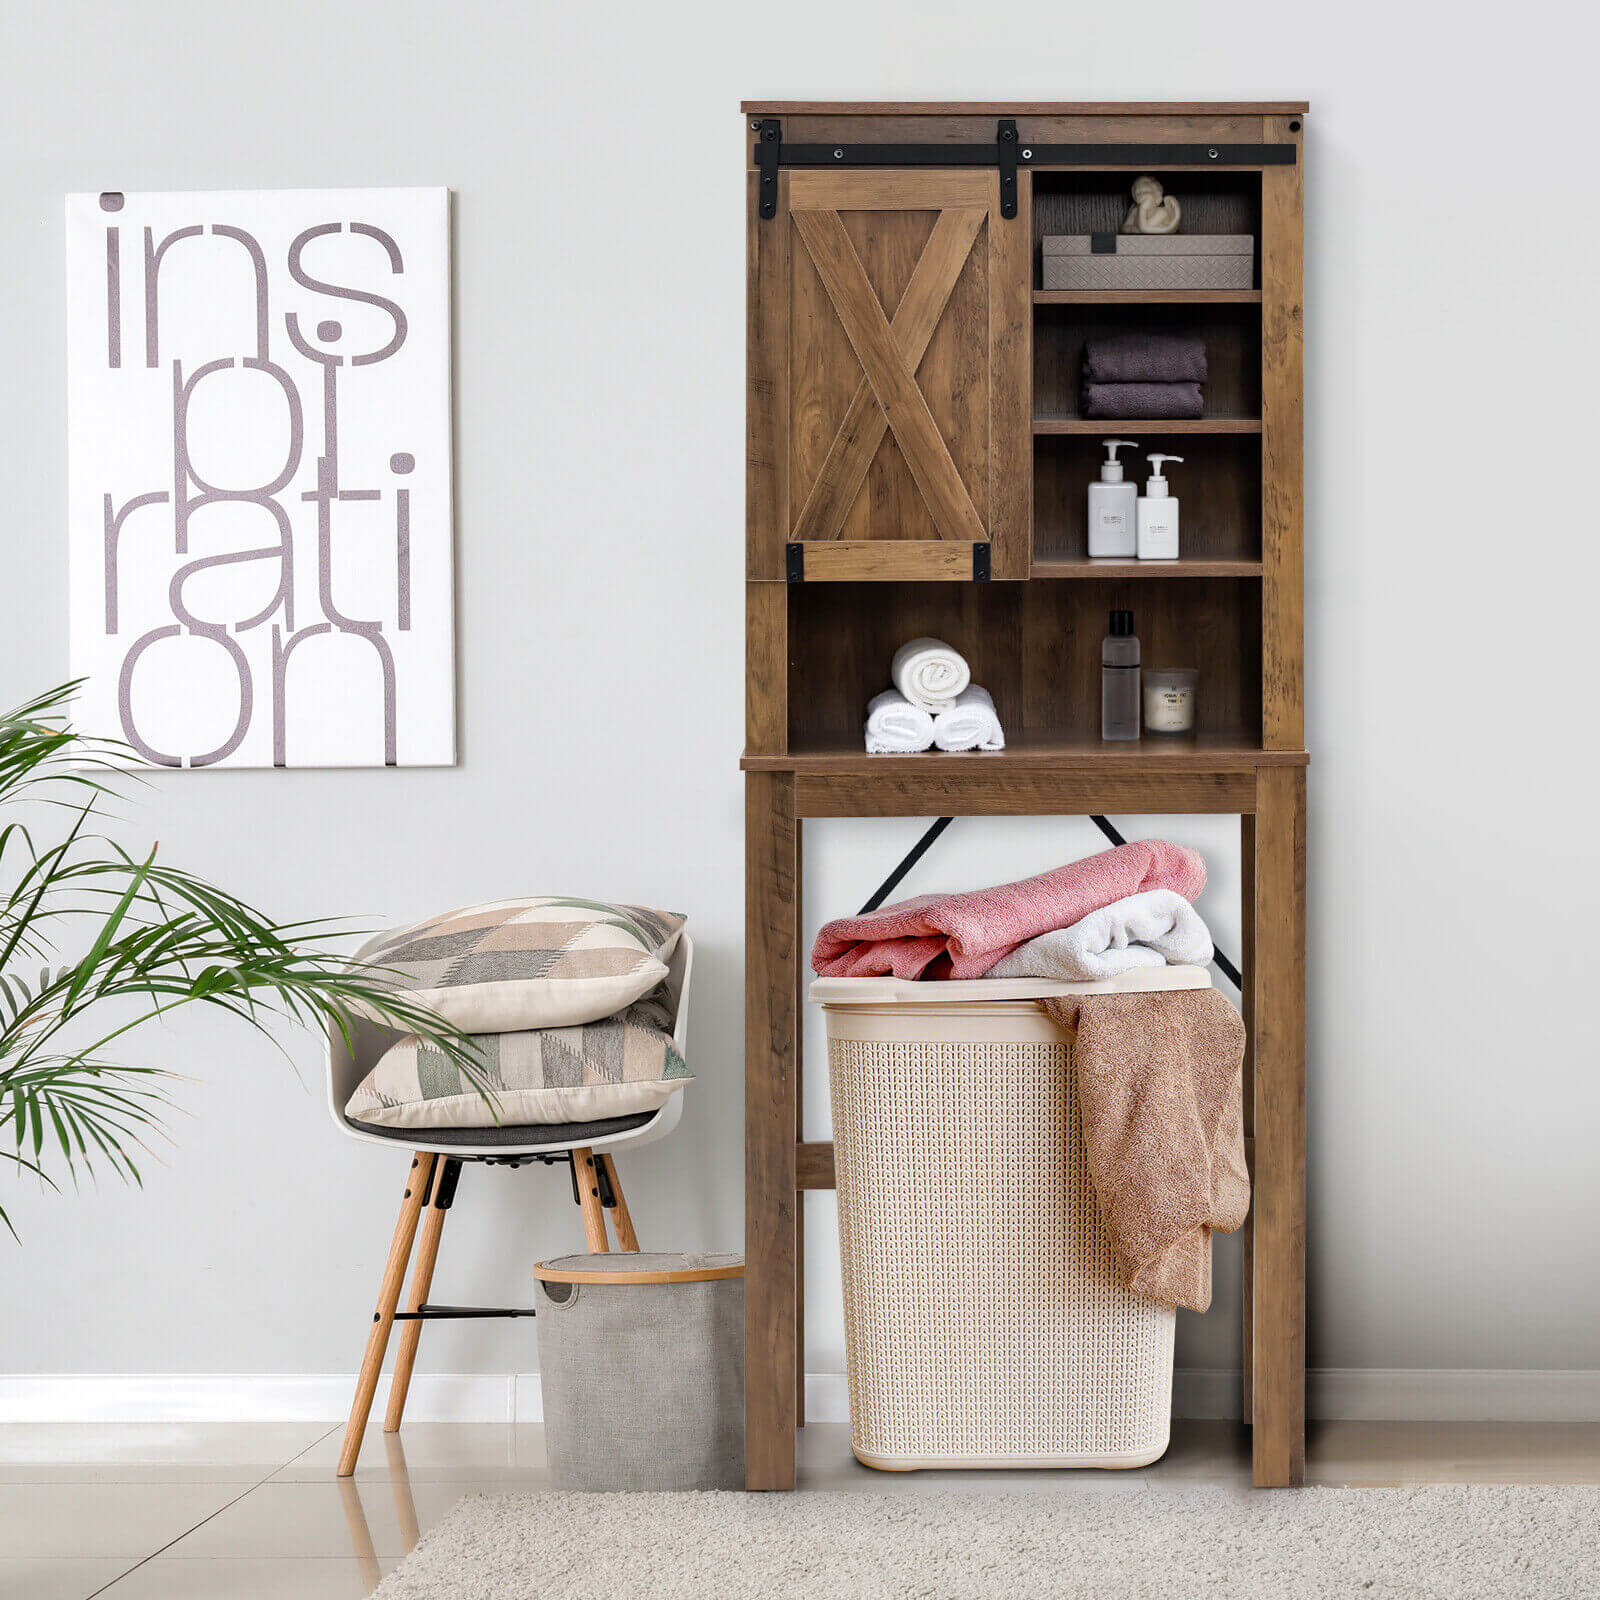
pixel 963 935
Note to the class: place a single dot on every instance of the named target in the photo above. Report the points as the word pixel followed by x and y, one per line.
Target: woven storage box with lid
pixel 986 1322
pixel 1149 261
pixel 641 1364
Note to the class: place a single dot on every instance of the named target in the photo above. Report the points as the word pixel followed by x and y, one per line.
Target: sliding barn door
pixel 890 378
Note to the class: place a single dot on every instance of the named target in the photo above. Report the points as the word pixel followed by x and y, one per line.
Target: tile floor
pixel 253 1511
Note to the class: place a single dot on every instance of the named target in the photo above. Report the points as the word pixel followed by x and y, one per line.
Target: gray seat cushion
pixel 503 1137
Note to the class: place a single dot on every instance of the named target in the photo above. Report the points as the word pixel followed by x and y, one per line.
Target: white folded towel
pixel 895 727
pixel 1144 930
pixel 929 673
pixel 970 723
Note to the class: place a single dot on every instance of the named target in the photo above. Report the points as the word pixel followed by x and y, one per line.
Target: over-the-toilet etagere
pixel 918 464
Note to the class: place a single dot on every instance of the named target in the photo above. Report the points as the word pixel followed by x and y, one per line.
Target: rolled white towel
pixel 971 723
pixel 895 727
pixel 1144 930
pixel 929 673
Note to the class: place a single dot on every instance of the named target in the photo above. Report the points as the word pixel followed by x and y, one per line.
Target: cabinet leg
pixel 772 917
pixel 799 1138
pixel 1247 1009
pixel 1277 1256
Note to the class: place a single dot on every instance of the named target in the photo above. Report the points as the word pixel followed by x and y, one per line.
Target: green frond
pixel 154 938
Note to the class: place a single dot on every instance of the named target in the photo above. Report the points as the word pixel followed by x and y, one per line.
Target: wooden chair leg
pixel 627 1239
pixel 444 1184
pixel 594 1216
pixel 394 1275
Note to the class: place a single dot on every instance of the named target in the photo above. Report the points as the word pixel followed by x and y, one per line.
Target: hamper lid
pixel 1152 244
pixel 640 1266
pixel 954 991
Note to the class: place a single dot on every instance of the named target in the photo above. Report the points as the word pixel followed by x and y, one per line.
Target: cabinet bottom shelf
pixel 1065 750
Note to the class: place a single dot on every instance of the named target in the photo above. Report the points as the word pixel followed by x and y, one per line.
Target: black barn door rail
pixel 1008 152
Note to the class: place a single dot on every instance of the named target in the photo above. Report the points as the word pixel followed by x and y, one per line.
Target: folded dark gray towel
pixel 1145 358
pixel 1130 401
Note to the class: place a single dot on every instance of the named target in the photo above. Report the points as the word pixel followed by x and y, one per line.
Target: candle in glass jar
pixel 1169 699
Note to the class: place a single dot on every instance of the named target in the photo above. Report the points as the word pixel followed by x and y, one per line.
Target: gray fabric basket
pixel 643 1381
pixel 1148 261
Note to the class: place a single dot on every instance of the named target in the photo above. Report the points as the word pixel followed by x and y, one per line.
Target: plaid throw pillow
pixel 612 1068
pixel 546 963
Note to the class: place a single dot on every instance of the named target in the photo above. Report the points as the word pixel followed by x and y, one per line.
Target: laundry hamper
pixel 641 1365
pixel 986 1324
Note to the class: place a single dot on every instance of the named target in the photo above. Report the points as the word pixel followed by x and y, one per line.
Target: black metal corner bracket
pixel 769 145
pixel 980 563
pixel 794 562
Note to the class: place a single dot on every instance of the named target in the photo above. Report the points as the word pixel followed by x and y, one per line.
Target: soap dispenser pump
pixel 1158 515
pixel 1111 506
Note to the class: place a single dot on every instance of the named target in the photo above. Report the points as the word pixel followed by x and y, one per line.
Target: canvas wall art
pixel 260 519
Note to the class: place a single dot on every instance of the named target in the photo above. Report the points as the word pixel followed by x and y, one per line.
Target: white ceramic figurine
pixel 1150 213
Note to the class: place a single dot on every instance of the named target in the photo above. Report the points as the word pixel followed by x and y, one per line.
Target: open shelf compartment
pixel 1217 484
pixel 1035 647
pixel 1232 335
pixel 1097 202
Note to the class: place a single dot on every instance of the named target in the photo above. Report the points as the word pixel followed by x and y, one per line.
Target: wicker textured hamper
pixel 986 1324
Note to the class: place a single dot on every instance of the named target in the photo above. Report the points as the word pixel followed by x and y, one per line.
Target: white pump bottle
pixel 1111 506
pixel 1158 515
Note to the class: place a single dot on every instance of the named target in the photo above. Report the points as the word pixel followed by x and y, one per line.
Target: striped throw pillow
pixel 552 962
pixel 611 1068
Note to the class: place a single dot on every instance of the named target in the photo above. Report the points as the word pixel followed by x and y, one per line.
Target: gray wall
pixel 599 237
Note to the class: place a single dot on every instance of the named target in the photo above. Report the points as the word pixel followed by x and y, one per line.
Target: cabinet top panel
pixel 1026 108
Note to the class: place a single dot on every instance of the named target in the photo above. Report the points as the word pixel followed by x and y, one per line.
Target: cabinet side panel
pixel 766 683
pixel 1282 450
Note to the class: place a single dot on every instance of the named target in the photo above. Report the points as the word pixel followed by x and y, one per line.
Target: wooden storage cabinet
pixel 918 464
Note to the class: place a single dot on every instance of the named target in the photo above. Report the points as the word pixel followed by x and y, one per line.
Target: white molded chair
pixel 436 1159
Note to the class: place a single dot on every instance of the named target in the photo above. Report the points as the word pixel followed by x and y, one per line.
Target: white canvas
pixel 259 501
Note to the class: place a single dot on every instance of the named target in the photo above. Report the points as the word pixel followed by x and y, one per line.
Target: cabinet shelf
pixel 1147 297
pixel 1058 749
pixel 1102 426
pixel 1116 567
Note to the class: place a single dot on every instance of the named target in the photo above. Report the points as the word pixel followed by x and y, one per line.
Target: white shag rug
pixel 1435 1543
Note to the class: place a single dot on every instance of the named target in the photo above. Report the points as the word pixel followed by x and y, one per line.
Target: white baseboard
pixel 259 1397
pixel 1333 1393
pixel 1436 1394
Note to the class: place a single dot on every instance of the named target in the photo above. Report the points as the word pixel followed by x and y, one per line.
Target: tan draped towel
pixel 1160 1091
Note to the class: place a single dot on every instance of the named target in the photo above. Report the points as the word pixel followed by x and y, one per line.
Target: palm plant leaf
pixel 150 938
